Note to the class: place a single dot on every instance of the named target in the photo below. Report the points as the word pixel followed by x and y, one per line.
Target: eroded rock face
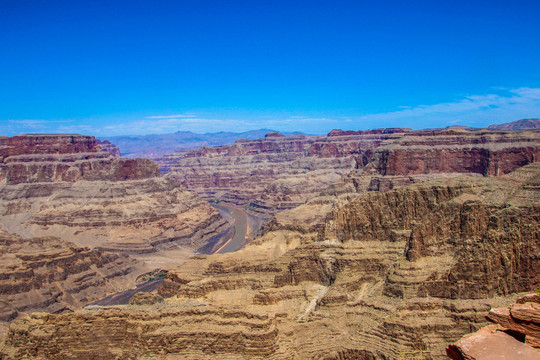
pixel 278 173
pixel 74 187
pixel 69 158
pixel 457 151
pixel 72 211
pixel 382 276
pixel 48 274
pixel 275 172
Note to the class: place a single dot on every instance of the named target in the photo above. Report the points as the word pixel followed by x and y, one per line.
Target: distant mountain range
pixel 153 146
pixel 524 124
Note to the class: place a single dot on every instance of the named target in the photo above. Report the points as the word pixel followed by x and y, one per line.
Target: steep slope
pixel 384 275
pixel 71 186
pixel 52 275
pixel 277 173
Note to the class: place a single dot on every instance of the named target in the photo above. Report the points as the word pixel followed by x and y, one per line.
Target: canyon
pixel 380 244
pixel 277 173
pixel 78 222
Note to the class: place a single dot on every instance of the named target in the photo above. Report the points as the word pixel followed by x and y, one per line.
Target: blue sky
pixel 138 67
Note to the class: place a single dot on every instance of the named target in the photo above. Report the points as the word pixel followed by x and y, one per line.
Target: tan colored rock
pixel 73 187
pixel 382 276
pixel 145 298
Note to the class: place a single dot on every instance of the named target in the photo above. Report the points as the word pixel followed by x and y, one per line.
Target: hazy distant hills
pixel 152 146
pixel 524 124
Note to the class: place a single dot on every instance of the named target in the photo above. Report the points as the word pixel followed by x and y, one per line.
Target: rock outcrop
pixel 382 276
pixel 279 173
pixel 71 211
pixel 515 336
pixel 273 173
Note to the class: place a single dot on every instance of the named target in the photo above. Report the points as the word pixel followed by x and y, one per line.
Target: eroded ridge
pixel 277 173
pixel 77 188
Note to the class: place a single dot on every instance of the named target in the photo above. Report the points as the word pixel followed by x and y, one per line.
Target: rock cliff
pixel 516 334
pixel 278 173
pixel 72 186
pixel 71 211
pixel 381 276
pixel 52 275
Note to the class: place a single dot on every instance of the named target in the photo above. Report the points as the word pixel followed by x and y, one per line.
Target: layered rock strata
pixel 72 186
pixel 382 276
pixel 48 274
pixel 279 173
pixel 71 210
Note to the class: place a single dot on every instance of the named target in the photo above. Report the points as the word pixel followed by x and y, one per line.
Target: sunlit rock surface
pixel 380 276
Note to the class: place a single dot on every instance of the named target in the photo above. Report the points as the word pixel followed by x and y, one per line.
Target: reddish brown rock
pixel 50 158
pixel 521 318
pixel 277 173
pixel 490 343
pixel 457 151
pixel 514 337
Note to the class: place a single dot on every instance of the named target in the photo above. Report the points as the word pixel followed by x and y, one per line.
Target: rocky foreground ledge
pixel 515 336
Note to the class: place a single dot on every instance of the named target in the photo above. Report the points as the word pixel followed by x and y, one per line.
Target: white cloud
pixel 503 105
pixel 170 116
pixel 474 110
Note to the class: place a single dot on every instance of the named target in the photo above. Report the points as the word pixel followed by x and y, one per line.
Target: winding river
pixel 244 225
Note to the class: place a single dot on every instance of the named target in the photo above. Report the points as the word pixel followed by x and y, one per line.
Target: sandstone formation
pixel 273 173
pixel 278 173
pixel 52 275
pixel 69 186
pixel 384 275
pixel 515 336
pixel 70 212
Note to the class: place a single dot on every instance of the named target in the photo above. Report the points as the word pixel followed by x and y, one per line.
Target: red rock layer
pixel 50 158
pixel 276 172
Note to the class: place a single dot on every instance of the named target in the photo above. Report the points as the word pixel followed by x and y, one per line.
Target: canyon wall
pixel 75 187
pixel 78 222
pixel 382 276
pixel 51 275
pixel 278 173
